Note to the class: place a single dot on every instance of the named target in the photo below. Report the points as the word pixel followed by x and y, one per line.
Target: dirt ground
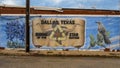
pixel 60 53
pixel 57 62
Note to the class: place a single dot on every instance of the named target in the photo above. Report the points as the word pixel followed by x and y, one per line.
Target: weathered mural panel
pixel 58 32
pixel 96 32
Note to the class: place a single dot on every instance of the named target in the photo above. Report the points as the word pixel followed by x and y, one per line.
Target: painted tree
pixel 99 41
pixel 15 32
pixel 92 41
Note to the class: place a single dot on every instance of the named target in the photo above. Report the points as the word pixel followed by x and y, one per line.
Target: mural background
pixel 12 31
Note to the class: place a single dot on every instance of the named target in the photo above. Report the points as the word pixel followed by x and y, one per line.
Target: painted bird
pixel 103 32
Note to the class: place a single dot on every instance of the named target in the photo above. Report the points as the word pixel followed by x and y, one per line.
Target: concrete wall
pixel 12 32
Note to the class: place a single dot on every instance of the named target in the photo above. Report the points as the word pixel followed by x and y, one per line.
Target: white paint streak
pixel 114 46
pixel 116 38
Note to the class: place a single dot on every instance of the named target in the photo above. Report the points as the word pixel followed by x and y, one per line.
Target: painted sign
pixel 58 32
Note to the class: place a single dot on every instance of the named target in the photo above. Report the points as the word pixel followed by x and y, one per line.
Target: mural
pixel 12 32
pixel 58 32
pixel 101 32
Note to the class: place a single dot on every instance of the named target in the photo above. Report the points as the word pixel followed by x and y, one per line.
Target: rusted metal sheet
pixel 21 10
pixel 58 32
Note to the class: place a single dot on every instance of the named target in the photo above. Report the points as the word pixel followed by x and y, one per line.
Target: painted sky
pixel 86 4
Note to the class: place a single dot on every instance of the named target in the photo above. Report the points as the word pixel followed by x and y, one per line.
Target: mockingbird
pixel 103 32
